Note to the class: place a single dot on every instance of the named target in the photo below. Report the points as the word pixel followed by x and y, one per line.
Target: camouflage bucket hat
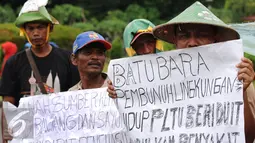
pixel 34 10
pixel 135 29
pixel 197 13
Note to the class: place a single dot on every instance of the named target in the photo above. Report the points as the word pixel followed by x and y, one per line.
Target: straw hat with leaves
pixel 197 13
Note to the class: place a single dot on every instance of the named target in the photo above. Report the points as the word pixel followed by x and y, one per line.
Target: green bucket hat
pixel 197 13
pixel 135 29
pixel 32 10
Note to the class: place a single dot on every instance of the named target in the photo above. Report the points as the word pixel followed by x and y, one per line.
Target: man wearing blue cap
pixel 89 56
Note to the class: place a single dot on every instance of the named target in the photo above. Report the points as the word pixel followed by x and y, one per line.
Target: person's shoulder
pixel 16 60
pixel 63 51
pixel 18 56
pixel 20 53
pixel 76 87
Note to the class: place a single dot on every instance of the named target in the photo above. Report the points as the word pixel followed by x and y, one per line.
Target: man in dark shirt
pixel 54 65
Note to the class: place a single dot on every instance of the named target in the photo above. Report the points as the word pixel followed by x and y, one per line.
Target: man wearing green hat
pixel 198 26
pixel 138 40
pixel 56 72
pixel 52 63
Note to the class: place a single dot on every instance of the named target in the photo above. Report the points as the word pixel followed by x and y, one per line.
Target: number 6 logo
pixel 16 120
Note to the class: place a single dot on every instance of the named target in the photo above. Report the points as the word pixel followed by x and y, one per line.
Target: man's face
pixel 144 44
pixel 192 35
pixel 90 60
pixel 36 32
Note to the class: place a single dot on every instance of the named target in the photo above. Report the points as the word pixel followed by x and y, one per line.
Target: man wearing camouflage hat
pixel 138 40
pixel 198 26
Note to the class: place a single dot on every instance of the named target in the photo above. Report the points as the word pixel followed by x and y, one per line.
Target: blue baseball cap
pixel 88 37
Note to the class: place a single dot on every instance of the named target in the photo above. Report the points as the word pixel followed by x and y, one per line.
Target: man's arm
pixel 246 75
pixel 8 89
pixel 249 113
pixel 6 135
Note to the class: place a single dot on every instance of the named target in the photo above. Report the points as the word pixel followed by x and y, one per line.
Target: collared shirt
pixel 78 86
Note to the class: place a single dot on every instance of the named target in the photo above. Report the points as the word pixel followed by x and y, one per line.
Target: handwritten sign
pixel 77 116
pixel 181 96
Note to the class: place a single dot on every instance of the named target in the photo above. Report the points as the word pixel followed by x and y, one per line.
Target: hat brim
pixel 31 17
pixel 54 20
pixel 138 35
pixel 166 32
pixel 106 44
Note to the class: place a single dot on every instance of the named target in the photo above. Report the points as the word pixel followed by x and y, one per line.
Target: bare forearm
pixel 249 114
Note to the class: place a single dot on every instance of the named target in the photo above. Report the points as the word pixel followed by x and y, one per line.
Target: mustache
pixel 95 63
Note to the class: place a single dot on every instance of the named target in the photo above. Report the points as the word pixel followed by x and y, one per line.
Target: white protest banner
pixel 247 33
pixel 88 116
pixel 182 96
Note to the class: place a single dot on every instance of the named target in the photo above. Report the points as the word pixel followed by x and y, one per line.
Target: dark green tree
pixel 69 14
pixel 7 14
pixel 117 50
